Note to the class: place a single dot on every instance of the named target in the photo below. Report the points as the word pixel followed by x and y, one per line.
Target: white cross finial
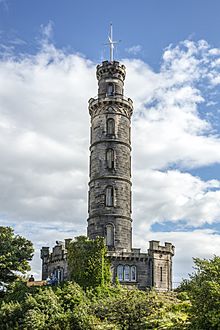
pixel 111 44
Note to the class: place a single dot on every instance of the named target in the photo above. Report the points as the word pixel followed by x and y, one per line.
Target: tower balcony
pixel 105 98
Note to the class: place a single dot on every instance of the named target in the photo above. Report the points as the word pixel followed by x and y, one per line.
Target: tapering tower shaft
pixel 109 202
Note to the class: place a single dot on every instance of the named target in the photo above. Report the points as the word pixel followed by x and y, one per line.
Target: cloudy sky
pixel 48 54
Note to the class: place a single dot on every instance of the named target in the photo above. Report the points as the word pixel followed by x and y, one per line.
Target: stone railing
pixel 110 97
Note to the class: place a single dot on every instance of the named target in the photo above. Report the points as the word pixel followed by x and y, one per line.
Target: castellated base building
pixel 109 202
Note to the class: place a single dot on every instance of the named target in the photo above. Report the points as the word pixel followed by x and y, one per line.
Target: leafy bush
pixel 203 289
pixel 87 262
pixel 135 309
pixel 105 307
pixel 15 254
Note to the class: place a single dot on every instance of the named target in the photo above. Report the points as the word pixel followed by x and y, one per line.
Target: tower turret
pixel 110 161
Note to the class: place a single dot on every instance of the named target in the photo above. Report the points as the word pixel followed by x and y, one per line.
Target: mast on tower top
pixel 111 43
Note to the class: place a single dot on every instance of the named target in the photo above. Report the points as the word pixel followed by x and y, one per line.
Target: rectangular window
pixel 133 273
pixel 120 273
pixel 109 196
pixel 109 235
pixel 127 273
pixel 110 158
pixel 110 126
pixel 110 89
pixel 161 274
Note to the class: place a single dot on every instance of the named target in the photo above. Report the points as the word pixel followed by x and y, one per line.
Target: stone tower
pixel 109 202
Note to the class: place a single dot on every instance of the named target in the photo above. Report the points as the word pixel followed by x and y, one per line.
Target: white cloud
pixel 168 125
pixel 44 141
pixel 134 50
pixel 174 196
pixel 47 31
pixel 197 244
pixel 44 135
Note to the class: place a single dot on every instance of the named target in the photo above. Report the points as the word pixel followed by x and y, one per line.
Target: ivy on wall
pixel 87 262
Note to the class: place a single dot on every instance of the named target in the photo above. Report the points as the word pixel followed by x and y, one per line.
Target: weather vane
pixel 111 44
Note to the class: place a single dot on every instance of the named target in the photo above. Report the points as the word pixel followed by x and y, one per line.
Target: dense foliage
pixel 70 307
pixel 203 289
pixel 15 252
pixel 87 262
pixel 94 304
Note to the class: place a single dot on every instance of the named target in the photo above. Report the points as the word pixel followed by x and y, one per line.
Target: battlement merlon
pixel 154 246
pixel 113 69
pixel 60 246
pixel 67 242
pixel 45 252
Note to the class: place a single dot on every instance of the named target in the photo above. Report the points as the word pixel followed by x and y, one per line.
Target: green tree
pixel 15 254
pixel 68 307
pixel 141 310
pixel 203 289
pixel 87 262
pixel 40 309
pixel 44 308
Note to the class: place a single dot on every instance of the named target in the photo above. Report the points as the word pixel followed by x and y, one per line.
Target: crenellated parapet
pixel 161 265
pixel 55 261
pixel 110 77
pixel 155 247
pixel 110 70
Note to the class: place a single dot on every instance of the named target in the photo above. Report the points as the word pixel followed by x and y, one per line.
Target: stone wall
pixel 161 257
pixel 55 262
pixel 134 258
pixel 110 107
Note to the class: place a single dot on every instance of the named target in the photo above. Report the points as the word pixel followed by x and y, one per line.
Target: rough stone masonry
pixel 110 202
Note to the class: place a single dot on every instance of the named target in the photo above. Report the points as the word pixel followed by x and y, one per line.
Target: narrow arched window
pixel 110 158
pixel 109 235
pixel 110 89
pixel 161 274
pixel 120 270
pixel 109 196
pixel 126 273
pixel 59 273
pixel 110 126
pixel 133 273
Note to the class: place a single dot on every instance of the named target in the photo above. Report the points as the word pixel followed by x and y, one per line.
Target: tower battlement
pixel 55 261
pixel 110 76
pixel 108 70
pixel 154 246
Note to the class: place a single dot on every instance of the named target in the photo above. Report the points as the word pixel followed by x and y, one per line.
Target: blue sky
pixel 82 25
pixel 48 54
